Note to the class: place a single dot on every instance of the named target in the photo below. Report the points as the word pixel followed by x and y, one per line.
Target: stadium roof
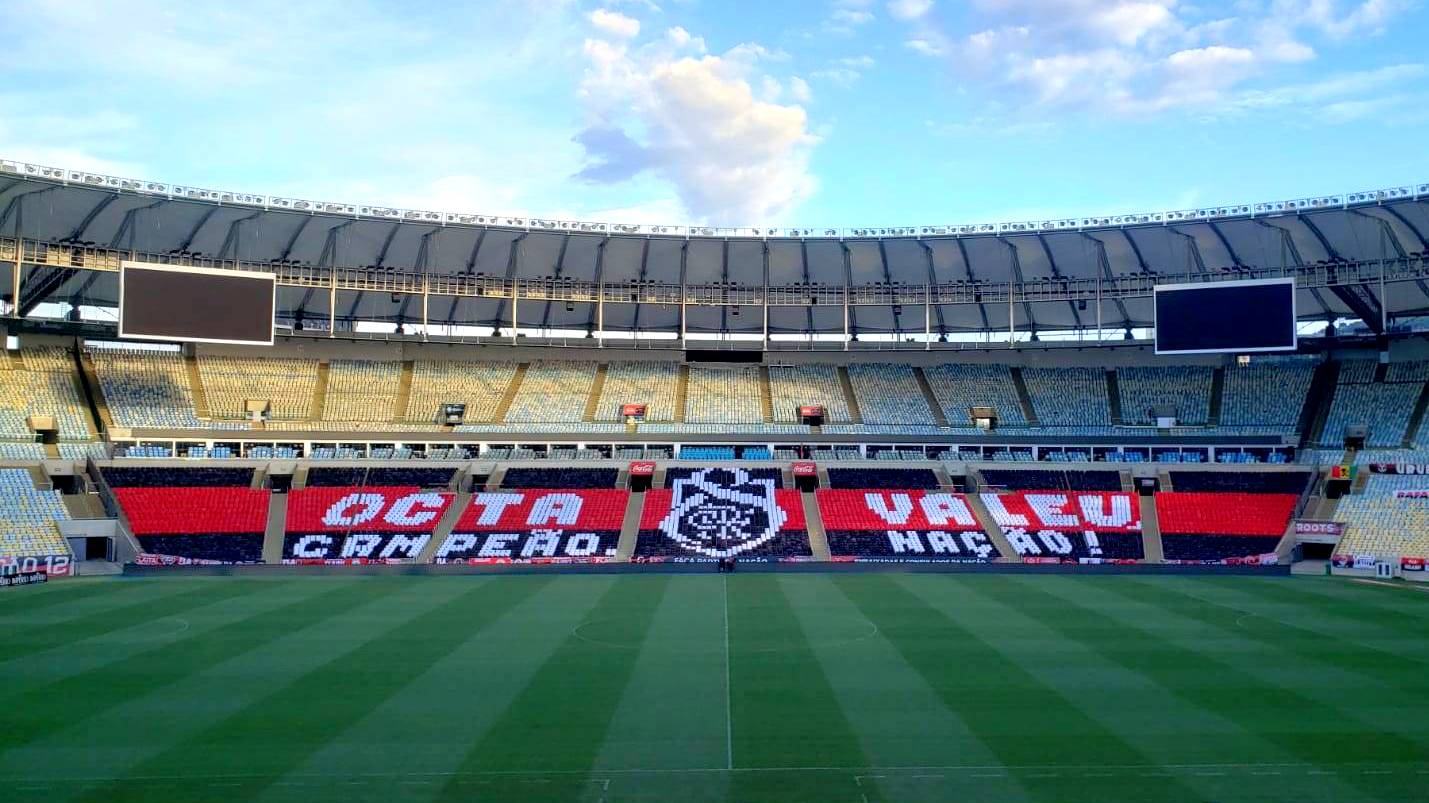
pixel 63 206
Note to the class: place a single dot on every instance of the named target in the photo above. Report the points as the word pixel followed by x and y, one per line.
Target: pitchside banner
pixel 902 527
pixel 389 524
pixel 723 513
pixel 48 565
pixel 1076 526
pixel 537 526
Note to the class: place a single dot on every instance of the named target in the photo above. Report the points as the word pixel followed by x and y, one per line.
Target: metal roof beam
pixel 1105 265
pixel 1408 224
pixel 932 280
pixel 1017 272
pixel 1057 274
pixel 1193 249
pixel 591 322
pixel 77 233
pixel 968 266
pixel 470 268
pixel 513 260
pixel 560 268
pixel 1289 245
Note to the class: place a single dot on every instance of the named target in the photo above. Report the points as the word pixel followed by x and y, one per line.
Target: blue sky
pixel 830 113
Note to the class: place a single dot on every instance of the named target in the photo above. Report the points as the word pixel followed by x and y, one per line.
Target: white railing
pixel 226 197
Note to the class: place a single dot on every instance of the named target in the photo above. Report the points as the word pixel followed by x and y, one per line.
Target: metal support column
pixel 426 299
pixel 927 317
pixel 846 332
pixel 515 295
pixel 600 315
pixel 15 277
pixel 332 303
pixel 1011 318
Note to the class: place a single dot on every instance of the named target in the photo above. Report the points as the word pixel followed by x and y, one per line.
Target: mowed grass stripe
pixel 1315 733
pixel 1027 724
pixel 1323 611
pixel 1324 648
pixel 72 700
pixel 28 640
pixel 785 712
pixel 15 602
pixel 560 719
pixel 257 745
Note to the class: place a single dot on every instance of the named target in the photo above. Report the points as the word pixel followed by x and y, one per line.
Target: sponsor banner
pixel 632 411
pixel 532 561
pixel 723 513
pixel 805 468
pixel 181 511
pixel 151 559
pixel 528 526
pixel 1412 494
pixel 344 562
pixel 1411 564
pixel 1313 527
pixel 1364 562
pixel 26 579
pixel 642 468
pixel 52 565
pixel 1399 468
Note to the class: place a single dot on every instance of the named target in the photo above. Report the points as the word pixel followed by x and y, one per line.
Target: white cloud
pixel 909 9
pixel 799 90
pixel 668 109
pixel 615 24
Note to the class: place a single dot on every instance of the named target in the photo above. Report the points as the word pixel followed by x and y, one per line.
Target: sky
pixel 827 113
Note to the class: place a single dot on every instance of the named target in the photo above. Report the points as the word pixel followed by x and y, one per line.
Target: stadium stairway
pixel 1113 390
pixel 1218 385
pixel 89 386
pixel 596 389
pixel 993 529
pixel 1150 532
pixel 277 526
pixel 320 390
pixel 855 413
pixel 630 527
pixel 682 392
pixel 1317 402
pixel 818 539
pixel 504 406
pixel 196 388
pixel 444 527
pixel 404 391
pixel 766 395
pixel 1023 397
pixel 930 398
pixel 1416 418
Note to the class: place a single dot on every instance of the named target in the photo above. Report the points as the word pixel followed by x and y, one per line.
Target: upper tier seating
pixel 1245 402
pixel 362 390
pixel 1062 397
pixel 560 478
pixel 479 385
pixel 960 386
pixel 1357 372
pixel 792 386
pixel 711 453
pixel 1185 388
pixel 286 382
pixel 1417 371
pixel 80 451
pixel 652 384
pixel 220 524
pixel 172 477
pixel 1220 526
pixel 148 389
pixel 41 383
pixel 1264 482
pixel 723 395
pixel 1383 525
pixel 334 476
pixel 890 478
pixel 1048 480
pixel 23 451
pixel 889 394
pixel 1384 407
pixel 553 391
pixel 28 516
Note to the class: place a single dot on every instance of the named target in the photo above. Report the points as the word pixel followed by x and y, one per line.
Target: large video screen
pixel 1238 316
pixel 202 305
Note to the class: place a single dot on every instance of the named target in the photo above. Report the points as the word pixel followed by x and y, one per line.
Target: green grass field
pixel 753 688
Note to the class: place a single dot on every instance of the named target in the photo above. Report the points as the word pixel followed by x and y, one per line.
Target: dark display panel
pixel 162 302
pixel 1243 316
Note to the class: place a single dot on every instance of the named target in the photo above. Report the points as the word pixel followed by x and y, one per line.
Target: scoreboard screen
pixel 200 305
pixel 1237 316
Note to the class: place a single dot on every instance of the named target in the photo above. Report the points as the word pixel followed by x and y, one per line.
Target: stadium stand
pixel 792 386
pixel 1388 520
pixel 175 477
pixel 889 394
pixel 723 395
pixel 537 525
pixel 339 477
pixel 480 385
pixel 1385 407
pixel 1069 527
pixel 27 517
pixel 148 389
pixel 958 387
pixel 42 384
pixel 716 513
pixel 1264 482
pixel 368 524
pixel 1244 402
pixel 1068 397
pixel 553 390
pixel 773 475
pixel 884 478
pixel 652 384
pixel 214 524
pixel 22 451
pixel 361 391
pixel 287 383
pixel 1184 388
pixel 557 478
pixel 1201 527
pixel 1049 480
pixel 902 526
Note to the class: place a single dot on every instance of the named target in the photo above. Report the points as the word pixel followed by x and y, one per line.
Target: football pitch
pixel 751 687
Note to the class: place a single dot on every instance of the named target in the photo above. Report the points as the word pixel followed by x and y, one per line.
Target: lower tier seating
pixel 28 516
pixel 902 526
pixel 892 478
pixel 1268 482
pixel 1069 527
pixel 537 525
pixel 1032 479
pixel 176 477
pixel 1388 520
pixel 560 478
pixel 337 477
pixel 221 525
pixel 361 524
pixel 1216 527
pixel 722 513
